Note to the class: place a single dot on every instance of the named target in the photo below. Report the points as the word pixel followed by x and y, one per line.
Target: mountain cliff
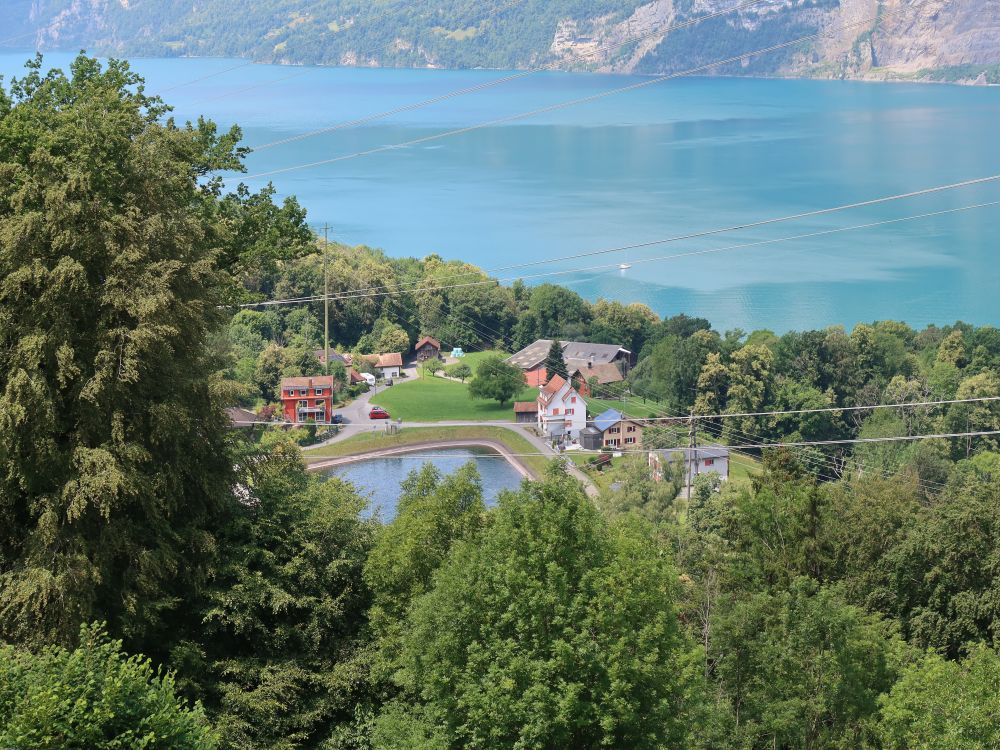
pixel 939 39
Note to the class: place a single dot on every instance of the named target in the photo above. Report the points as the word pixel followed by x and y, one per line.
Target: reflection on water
pixel 379 478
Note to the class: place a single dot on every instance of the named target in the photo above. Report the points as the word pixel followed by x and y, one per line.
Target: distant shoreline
pixel 290 64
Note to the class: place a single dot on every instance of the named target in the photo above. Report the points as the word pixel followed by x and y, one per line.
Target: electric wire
pixel 662 31
pixel 583 100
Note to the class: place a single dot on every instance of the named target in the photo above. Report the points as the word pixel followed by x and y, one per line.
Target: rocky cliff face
pixel 908 39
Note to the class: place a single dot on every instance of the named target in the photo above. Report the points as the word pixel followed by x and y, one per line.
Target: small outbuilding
pixel 591 439
pixel 427 348
pixel 525 412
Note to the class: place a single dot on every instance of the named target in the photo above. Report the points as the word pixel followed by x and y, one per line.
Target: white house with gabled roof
pixel 561 410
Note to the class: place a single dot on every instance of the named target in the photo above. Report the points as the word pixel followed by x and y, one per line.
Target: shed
pixel 525 412
pixel 591 439
pixel 427 348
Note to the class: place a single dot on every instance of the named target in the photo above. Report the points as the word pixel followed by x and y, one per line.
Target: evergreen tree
pixel 555 364
pixel 113 466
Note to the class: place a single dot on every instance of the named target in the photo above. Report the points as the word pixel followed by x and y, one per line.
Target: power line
pixel 363 293
pixel 205 77
pixel 703 417
pixel 692 253
pixel 751 446
pixel 663 31
pixel 573 102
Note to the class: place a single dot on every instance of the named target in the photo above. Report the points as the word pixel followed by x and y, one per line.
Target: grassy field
pixel 631 408
pixel 373 441
pixel 439 400
pixel 472 359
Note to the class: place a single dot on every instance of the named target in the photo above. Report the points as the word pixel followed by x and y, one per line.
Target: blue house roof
pixel 608 419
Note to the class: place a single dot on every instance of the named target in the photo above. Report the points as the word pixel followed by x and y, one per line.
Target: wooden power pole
pixel 692 461
pixel 326 301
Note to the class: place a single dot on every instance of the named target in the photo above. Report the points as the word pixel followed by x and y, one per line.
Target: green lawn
pixel 372 441
pixel 631 408
pixel 472 359
pixel 439 400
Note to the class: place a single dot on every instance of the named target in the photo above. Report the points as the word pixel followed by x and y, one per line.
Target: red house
pixel 308 399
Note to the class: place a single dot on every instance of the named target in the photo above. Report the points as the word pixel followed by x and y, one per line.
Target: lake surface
pixel 379 478
pixel 674 158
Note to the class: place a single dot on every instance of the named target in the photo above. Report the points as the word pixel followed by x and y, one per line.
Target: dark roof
pixel 605 373
pixel 704 451
pixel 240 417
pixel 334 356
pixel 525 407
pixel 534 354
pixel 599 353
pixel 531 355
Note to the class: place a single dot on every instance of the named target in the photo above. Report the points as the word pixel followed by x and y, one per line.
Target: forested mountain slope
pixel 958 39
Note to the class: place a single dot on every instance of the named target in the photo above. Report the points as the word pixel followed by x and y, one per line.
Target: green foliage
pixel 95 697
pixel 113 468
pixel 460 371
pixel 555 364
pixel 801 668
pixel 551 630
pixel 639 493
pixel 496 379
pixel 944 705
pixel 433 514
pixel 283 617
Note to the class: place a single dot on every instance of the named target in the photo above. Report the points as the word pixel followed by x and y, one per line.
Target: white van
pixel 369 378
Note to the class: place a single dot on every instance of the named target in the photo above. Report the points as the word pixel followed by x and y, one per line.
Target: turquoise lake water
pixel 379 478
pixel 674 158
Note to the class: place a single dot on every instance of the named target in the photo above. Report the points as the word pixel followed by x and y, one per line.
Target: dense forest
pixel 808 609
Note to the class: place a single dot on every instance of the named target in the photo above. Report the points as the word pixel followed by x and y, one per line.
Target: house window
pixel 613 441
pixel 709 461
pixel 303 391
pixel 303 404
pixel 569 412
pixel 573 400
pixel 631 428
pixel 629 441
pixel 318 391
pixel 555 411
pixel 614 430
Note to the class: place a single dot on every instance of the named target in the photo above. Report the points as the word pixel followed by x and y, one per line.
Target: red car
pixel 377 412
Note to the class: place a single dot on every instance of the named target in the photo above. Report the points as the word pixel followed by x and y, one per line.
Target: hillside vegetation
pixel 909 39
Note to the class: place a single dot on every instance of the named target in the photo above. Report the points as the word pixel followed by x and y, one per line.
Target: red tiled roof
pixel 525 407
pixel 354 376
pixel 428 340
pixel 554 385
pixel 394 359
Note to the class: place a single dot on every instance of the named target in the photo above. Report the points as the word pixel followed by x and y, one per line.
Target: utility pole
pixel 692 461
pixel 326 301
